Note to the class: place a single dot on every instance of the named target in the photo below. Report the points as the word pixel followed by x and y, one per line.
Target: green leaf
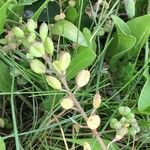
pixel 70 31
pixel 71 14
pixel 130 7
pixel 81 60
pixel 93 143
pixel 144 101
pixel 140 28
pixel 5 78
pixel 2 144
pixel 3 11
pixel 123 42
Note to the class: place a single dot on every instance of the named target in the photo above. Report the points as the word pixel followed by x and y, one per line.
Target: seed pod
pixel 72 3
pixel 57 66
pixel 82 78
pixel 18 32
pixel 49 46
pixel 86 146
pixel 121 133
pixel 62 16
pixel 53 82
pixel 57 17
pixel 2 124
pixel 97 101
pixel 67 103
pixel 37 66
pixel 132 131
pixel 31 25
pixel 123 110
pixel 130 115
pixel 43 31
pixel 65 60
pixel 31 37
pixel 93 122
pixel 37 49
pixel 125 122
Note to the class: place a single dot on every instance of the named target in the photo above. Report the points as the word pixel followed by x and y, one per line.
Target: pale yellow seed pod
pixel 37 66
pixel 2 124
pixel 49 45
pixel 93 122
pixel 62 16
pixel 37 49
pixel 65 59
pixel 72 3
pixel 31 25
pixel 67 103
pixel 86 146
pixel 43 31
pixel 97 101
pixel 82 78
pixel 53 82
pixel 57 66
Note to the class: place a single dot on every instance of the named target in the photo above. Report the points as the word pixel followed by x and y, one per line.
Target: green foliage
pixel 2 144
pixel 93 143
pixel 81 60
pixel 3 12
pixel 144 102
pixel 5 78
pixel 70 31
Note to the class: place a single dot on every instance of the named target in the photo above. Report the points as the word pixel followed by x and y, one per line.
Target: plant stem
pixel 77 104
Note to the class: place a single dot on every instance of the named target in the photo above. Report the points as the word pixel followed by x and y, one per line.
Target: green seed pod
pixel 132 131
pixel 121 133
pixel 31 37
pixel 2 124
pixel 136 127
pixel 57 66
pixel 31 25
pixel 18 32
pixel 130 115
pixel 37 49
pixel 65 60
pixel 37 66
pixel 125 122
pixel 82 78
pixel 123 110
pixel 43 31
pixel 53 82
pixel 49 46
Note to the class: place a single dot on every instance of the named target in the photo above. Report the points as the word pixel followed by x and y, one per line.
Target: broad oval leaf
pixel 81 60
pixel 144 99
pixel 70 31
pixel 2 144
pixel 93 143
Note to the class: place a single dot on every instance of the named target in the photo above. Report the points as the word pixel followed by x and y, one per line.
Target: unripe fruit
pixel 72 3
pixel 18 32
pixel 59 17
pixel 53 82
pixel 31 37
pixel 132 131
pixel 37 49
pixel 87 146
pixel 97 101
pixel 57 66
pixel 121 133
pixel 65 60
pixel 2 124
pixel 31 25
pixel 93 122
pixel 82 78
pixel 43 31
pixel 49 46
pixel 130 115
pixel 67 103
pixel 123 110
pixel 37 66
